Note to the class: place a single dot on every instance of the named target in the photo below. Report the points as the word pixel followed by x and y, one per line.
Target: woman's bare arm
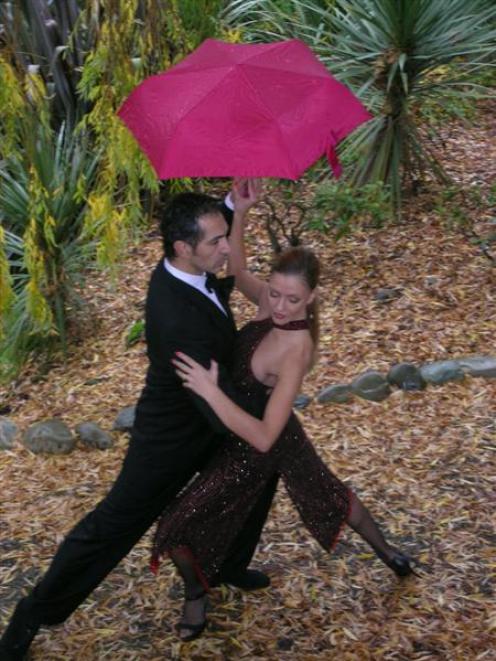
pixel 245 194
pixel 261 434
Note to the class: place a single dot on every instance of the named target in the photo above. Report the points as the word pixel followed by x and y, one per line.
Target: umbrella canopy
pixel 246 110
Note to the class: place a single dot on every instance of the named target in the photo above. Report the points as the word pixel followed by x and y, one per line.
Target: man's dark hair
pixel 180 219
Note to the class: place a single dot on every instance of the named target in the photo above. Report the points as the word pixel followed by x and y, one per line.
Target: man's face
pixel 210 253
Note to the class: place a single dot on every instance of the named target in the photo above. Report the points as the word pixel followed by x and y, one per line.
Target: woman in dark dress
pixel 274 352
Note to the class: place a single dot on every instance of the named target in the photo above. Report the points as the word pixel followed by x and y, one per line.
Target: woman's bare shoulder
pixel 298 351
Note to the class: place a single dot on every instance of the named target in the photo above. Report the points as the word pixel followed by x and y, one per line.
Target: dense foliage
pixel 397 55
pixel 73 184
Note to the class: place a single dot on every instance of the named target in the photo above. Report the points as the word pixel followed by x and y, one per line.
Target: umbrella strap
pixel 334 161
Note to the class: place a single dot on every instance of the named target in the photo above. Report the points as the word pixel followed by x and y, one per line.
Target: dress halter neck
pixel 299 324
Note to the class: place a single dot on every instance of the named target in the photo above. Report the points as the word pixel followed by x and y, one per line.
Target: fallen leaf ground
pixel 423 462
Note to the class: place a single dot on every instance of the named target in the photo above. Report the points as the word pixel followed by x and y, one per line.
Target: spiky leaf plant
pixel 42 207
pixel 395 55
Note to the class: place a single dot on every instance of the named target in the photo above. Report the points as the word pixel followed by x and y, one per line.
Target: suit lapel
pixel 183 290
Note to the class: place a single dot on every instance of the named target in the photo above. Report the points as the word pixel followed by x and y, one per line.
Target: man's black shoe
pixel 249 579
pixel 18 635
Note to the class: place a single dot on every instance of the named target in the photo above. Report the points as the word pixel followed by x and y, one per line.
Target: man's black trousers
pixel 102 538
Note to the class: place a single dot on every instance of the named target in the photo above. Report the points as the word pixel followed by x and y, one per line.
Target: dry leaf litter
pixel 423 462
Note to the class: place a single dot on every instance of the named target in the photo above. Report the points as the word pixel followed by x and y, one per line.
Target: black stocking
pixel 193 618
pixel 362 522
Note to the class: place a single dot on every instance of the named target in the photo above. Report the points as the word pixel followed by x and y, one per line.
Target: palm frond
pixel 395 55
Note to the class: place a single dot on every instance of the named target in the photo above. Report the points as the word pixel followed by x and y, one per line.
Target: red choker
pixel 299 324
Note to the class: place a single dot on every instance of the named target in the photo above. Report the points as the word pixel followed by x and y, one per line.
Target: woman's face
pixel 289 296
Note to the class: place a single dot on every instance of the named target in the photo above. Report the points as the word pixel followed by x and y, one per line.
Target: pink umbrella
pixel 245 110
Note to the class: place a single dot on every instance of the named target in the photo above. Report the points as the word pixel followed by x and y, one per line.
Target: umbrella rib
pixel 274 119
pixel 325 74
pixel 188 70
pixel 276 45
pixel 190 110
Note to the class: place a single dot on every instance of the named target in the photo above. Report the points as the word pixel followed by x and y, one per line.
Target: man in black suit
pixel 174 434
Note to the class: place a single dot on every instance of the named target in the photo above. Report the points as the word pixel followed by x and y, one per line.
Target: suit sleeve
pixel 226 212
pixel 196 346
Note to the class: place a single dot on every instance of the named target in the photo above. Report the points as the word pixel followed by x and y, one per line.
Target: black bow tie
pixel 222 286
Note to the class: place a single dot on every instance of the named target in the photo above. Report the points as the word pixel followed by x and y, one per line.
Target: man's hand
pixel 245 193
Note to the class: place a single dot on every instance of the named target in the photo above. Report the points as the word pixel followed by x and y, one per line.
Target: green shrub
pixel 135 332
pixel 339 207
pixel 42 207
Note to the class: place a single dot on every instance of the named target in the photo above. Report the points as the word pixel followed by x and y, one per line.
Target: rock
pixel 95 380
pixel 371 385
pixel 478 366
pixel 285 644
pixel 302 401
pixel 339 393
pixel 386 294
pixel 94 436
pixel 8 431
pixel 406 376
pixel 441 371
pixel 125 419
pixel 52 436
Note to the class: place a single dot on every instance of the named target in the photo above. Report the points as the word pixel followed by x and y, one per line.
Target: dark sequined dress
pixel 207 516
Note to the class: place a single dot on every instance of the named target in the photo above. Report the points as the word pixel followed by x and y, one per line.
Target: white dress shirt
pixel 196 281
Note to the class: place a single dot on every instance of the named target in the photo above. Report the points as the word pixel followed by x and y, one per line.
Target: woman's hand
pixel 245 193
pixel 194 376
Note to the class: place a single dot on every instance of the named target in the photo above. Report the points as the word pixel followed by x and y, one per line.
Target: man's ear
pixel 182 249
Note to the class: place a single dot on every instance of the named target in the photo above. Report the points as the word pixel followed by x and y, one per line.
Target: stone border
pixel 53 436
pixel 375 387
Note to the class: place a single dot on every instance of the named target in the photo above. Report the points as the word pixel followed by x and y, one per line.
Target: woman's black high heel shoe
pixel 195 630
pixel 400 564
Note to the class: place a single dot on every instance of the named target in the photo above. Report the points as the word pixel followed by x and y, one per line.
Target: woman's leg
pixel 193 620
pixel 325 503
pixel 220 515
pixel 362 522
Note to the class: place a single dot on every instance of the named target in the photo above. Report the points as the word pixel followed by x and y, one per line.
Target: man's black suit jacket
pixel 171 422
